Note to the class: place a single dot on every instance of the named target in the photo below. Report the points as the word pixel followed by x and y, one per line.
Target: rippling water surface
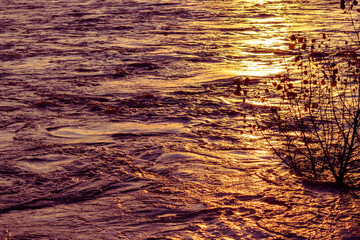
pixel 118 121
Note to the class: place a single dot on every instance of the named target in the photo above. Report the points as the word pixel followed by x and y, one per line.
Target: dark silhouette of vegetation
pixel 318 113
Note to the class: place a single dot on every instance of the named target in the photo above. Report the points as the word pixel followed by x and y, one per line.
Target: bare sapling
pixel 314 110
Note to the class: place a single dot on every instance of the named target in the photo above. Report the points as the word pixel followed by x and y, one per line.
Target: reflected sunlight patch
pixel 268 43
pixel 260 69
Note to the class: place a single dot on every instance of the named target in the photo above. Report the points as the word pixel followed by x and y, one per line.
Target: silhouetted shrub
pixel 315 109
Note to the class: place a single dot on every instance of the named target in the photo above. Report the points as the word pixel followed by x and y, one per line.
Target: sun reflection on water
pixel 263 36
pixel 249 68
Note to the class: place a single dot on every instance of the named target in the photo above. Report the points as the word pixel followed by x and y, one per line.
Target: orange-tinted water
pixel 118 121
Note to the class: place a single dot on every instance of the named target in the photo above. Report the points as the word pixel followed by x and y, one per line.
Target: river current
pixel 118 121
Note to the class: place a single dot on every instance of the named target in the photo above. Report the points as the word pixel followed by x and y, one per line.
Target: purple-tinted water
pixel 118 121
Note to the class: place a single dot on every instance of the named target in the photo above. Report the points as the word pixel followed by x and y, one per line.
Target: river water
pixel 118 121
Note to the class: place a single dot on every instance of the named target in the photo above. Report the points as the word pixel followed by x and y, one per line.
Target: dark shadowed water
pixel 118 121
